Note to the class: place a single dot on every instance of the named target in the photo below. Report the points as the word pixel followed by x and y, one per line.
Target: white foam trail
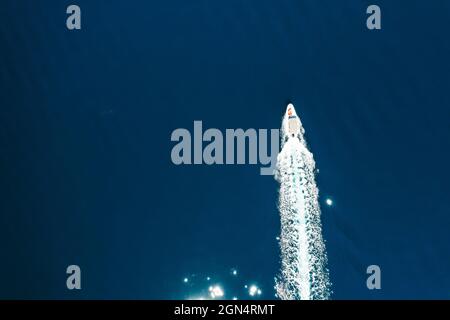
pixel 304 274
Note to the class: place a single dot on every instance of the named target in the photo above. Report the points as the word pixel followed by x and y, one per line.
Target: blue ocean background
pixel 86 116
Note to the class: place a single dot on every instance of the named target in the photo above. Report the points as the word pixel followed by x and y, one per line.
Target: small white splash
pixel 254 290
pixel 216 291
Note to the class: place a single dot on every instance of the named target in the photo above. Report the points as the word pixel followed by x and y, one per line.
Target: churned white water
pixel 304 274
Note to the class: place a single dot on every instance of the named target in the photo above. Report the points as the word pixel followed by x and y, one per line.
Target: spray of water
pixel 304 273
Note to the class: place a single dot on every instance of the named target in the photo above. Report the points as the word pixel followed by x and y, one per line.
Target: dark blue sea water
pixel 86 116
